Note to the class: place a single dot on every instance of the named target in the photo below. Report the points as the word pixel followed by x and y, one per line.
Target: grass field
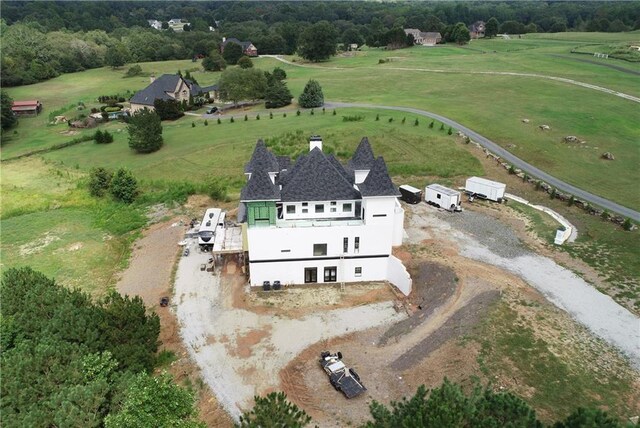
pixel 493 105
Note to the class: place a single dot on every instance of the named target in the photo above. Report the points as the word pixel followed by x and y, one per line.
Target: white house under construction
pixel 318 221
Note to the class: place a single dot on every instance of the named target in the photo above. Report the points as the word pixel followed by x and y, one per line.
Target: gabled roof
pixel 283 162
pixel 245 45
pixel 157 90
pixel 209 88
pixel 431 34
pixel 260 188
pixel 317 180
pixel 262 160
pixel 378 182
pixel 363 157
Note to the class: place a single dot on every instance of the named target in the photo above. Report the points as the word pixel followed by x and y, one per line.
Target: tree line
pixel 67 360
pixel 40 40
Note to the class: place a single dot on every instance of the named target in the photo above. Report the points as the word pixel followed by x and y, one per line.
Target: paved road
pixel 590 61
pixel 509 157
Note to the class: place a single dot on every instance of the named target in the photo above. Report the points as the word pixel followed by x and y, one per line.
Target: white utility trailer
pixel 485 189
pixel 442 197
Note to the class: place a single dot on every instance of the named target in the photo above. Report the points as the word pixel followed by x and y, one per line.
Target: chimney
pixel 315 141
pixel 152 78
pixel 224 39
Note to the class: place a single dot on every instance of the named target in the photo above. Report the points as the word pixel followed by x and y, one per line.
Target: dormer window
pixel 319 208
pixel 346 208
pixel 291 209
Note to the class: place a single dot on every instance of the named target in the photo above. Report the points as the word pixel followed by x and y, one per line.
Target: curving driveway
pixel 509 157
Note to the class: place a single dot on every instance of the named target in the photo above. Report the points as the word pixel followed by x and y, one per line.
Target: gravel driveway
pixel 240 352
pixel 485 239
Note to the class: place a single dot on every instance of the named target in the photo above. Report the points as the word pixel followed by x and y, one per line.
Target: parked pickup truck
pixel 342 379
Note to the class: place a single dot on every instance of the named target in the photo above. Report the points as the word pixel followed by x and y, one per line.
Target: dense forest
pixel 40 40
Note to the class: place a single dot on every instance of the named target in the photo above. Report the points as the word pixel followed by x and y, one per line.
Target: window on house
pixel 285 251
pixel 319 208
pixel 358 271
pixel 332 210
pixel 356 244
pixel 346 208
pixel 439 196
pixel 333 202
pixel 379 215
pixel 291 209
pixel 319 249
pixel 345 245
pixel 305 211
pixel 305 204
pixel 310 275
pixel 330 274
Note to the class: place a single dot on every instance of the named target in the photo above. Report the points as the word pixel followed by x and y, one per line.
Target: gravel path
pixel 482 238
pixel 240 352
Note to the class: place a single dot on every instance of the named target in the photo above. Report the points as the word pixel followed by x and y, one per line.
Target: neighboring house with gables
pixel 476 30
pixel 177 24
pixel 424 38
pixel 169 87
pixel 247 47
pixel 318 221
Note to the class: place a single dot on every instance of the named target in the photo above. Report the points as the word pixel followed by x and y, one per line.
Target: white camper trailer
pixel 442 197
pixel 485 189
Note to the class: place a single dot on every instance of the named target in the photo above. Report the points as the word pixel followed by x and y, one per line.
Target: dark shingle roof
pixel 283 162
pixel 244 45
pixel 316 180
pixel 260 188
pixel 348 174
pixel 262 160
pixel 157 90
pixel 378 182
pixel 209 88
pixel 363 157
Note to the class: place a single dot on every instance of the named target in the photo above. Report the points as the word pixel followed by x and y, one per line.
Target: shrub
pixel 538 185
pixel 627 225
pixel 334 113
pixel 311 95
pixel 354 118
pixel 404 119
pixel 99 181
pixel 232 120
pixel 298 113
pixel 134 70
pixel 390 119
pixel 312 112
pixel 245 62
pixel 377 117
pixel 206 122
pixel 246 117
pixel 442 126
pixel 450 131
pixel 552 195
pixel 284 114
pixel 512 170
pixel 270 115
pixel 124 186
pixel 323 110
pixel 605 215
pixel 219 121
pixel 416 123
pixel 257 117
pixel 571 200
pixel 431 124
pixel 216 189
pixel 193 124
pixel 277 94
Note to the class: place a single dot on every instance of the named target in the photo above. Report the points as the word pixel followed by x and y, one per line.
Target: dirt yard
pixel 232 344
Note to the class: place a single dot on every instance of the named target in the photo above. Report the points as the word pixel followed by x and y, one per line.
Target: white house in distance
pixel 318 221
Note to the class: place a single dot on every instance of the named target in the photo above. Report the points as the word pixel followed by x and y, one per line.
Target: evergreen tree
pixel 277 95
pixel 124 186
pixel 99 181
pixel 274 410
pixel 311 95
pixel 145 131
